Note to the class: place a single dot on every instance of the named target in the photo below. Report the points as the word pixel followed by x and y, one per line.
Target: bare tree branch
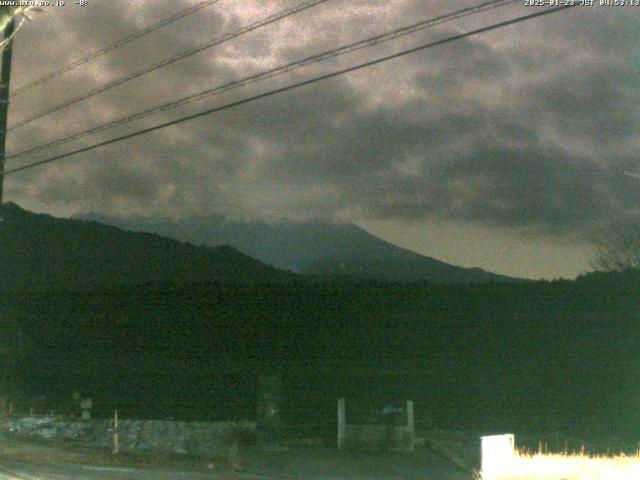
pixel 618 247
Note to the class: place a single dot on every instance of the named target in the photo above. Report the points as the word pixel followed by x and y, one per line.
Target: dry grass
pixel 576 466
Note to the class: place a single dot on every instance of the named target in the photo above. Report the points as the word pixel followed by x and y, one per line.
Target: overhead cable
pixel 117 44
pixel 369 42
pixel 179 56
pixel 277 91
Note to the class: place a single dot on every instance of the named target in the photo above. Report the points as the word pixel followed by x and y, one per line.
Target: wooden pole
pixel 4 97
pixel 410 424
pixel 342 423
pixel 115 432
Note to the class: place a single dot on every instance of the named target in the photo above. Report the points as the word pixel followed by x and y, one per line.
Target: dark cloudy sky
pixel 505 150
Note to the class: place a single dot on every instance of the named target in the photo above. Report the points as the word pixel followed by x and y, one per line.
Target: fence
pixel 393 431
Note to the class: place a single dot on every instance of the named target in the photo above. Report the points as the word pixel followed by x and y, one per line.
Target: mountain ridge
pixel 40 251
pixel 313 247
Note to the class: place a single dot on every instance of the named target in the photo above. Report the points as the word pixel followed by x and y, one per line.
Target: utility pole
pixel 4 100
pixel 6 375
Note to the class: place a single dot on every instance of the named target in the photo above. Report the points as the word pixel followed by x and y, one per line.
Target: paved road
pixel 316 464
pixel 77 472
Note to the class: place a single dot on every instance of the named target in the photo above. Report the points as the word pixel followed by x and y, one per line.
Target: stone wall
pixel 158 436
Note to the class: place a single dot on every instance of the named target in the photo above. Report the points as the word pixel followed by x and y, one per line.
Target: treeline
pixel 530 356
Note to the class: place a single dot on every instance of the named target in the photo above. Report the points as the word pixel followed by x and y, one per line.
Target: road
pixel 77 472
pixel 316 463
pixel 30 471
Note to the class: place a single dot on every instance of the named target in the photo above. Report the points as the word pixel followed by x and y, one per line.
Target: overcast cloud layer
pixel 529 128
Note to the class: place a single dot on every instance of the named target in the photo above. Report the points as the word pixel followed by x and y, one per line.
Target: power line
pixel 349 48
pixel 179 56
pixel 119 43
pixel 270 93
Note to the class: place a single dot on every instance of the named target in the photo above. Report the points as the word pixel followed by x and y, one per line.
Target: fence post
pixel 342 423
pixel 410 424
pixel 115 432
pixel 269 422
pixel 85 406
pixel 497 455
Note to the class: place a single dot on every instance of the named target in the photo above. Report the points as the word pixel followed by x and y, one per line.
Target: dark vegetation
pixel 40 252
pixel 534 356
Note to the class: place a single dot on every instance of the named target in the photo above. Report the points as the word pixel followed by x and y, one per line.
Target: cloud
pixel 531 127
